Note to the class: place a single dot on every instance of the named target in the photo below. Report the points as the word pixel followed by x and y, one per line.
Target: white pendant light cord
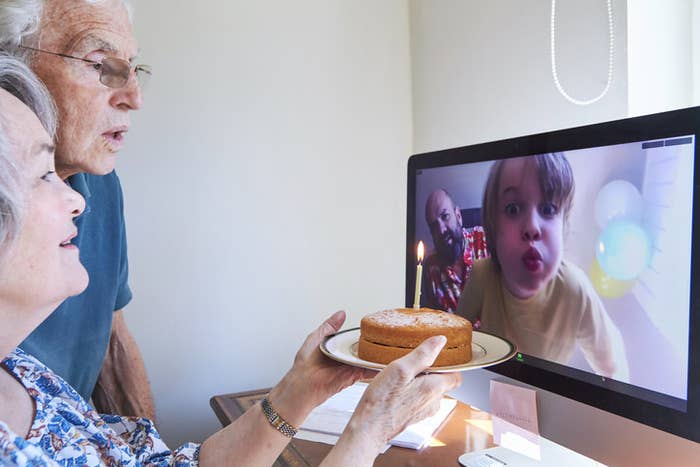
pixel 611 49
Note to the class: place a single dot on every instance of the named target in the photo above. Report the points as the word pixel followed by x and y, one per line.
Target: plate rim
pixel 433 369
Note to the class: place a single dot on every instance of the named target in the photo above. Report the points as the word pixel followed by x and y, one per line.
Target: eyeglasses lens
pixel 115 72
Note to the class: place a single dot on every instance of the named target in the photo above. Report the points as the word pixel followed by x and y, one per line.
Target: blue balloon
pixel 623 250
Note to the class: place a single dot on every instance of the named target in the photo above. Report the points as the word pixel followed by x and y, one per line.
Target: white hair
pixel 19 24
pixel 17 79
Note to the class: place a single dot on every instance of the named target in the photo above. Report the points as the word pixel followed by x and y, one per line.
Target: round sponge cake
pixel 390 334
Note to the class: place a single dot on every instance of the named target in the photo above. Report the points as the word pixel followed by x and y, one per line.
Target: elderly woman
pixel 43 421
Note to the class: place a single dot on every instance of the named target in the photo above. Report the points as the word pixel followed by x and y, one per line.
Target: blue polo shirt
pixel 73 340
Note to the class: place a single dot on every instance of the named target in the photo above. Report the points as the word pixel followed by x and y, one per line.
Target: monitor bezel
pixel 664 125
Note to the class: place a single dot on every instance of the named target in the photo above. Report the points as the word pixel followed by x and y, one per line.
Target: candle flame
pixel 421 251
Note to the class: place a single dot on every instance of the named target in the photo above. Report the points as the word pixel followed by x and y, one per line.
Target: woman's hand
pixel 398 396
pixel 313 377
pixel 250 440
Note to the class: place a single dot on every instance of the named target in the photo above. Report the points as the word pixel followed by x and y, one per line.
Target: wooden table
pixel 465 429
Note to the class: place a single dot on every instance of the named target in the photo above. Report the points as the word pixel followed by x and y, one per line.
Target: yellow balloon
pixel 605 285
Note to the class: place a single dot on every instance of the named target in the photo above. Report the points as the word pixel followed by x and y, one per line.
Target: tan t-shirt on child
pixel 547 325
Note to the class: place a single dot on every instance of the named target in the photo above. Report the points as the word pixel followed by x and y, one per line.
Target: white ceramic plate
pixel 487 350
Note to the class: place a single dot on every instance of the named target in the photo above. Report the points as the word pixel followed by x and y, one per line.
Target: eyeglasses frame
pixel 135 68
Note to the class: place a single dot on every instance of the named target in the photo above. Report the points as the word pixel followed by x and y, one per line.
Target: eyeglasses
pixel 114 72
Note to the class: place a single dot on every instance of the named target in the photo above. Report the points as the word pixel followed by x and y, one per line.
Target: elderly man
pixel 84 52
pixel 456 248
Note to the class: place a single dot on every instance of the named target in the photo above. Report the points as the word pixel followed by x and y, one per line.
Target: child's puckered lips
pixel 532 259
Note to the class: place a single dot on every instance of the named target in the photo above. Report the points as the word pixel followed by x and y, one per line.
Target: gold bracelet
pixel 276 421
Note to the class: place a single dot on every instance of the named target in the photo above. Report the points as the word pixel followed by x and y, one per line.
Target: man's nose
pixel 130 97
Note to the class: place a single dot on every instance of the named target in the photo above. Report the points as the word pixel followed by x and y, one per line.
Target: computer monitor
pixel 579 246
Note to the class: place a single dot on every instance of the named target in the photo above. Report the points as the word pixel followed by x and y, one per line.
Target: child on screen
pixel 526 291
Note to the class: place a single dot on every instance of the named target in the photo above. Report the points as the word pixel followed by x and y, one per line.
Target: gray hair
pixel 17 79
pixel 19 24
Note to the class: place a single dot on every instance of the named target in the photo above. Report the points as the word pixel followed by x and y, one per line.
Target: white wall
pixel 661 65
pixel 695 31
pixel 481 71
pixel 265 187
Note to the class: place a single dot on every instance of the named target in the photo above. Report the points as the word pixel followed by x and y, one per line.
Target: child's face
pixel 529 232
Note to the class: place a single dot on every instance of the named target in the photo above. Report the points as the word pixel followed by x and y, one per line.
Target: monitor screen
pixel 577 246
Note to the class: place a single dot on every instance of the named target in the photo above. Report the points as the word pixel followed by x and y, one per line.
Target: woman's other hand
pixel 399 396
pixel 313 377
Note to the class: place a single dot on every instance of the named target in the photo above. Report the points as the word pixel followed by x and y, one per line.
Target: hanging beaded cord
pixel 611 49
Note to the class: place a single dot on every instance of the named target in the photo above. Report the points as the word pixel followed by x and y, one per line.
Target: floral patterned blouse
pixel 67 431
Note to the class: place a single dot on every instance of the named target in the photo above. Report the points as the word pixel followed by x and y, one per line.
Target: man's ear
pixel 458 215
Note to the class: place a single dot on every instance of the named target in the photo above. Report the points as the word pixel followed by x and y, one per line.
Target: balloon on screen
pixel 623 250
pixel 618 199
pixel 605 285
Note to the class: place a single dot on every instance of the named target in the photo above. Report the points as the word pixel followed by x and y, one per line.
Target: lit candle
pixel 419 276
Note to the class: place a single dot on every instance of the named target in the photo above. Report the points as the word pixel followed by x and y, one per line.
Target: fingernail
pixel 440 341
pixel 337 316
